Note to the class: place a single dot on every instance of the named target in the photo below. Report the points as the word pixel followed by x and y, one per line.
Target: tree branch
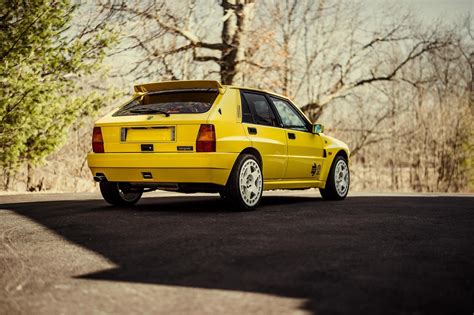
pixel 195 41
pixel 339 89
pixel 428 46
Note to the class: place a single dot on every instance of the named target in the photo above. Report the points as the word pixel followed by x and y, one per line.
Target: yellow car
pixel 201 136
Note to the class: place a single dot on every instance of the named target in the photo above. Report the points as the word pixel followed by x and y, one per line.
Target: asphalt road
pixel 63 253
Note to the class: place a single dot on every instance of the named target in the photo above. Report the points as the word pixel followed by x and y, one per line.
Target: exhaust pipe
pixel 99 177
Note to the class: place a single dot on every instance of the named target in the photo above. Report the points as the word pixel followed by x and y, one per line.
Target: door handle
pixel 291 135
pixel 252 130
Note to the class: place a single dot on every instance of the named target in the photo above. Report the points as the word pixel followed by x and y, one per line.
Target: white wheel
pixel 244 187
pixel 338 180
pixel 341 177
pixel 250 182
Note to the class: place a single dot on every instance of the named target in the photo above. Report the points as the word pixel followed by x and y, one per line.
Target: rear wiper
pixel 148 111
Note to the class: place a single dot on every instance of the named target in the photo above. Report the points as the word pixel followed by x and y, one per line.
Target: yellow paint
pixel 176 85
pixel 151 134
pixel 286 163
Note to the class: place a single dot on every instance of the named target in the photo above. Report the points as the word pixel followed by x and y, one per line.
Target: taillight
pixel 206 139
pixel 97 141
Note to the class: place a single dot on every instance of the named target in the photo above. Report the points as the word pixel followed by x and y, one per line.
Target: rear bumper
pixel 211 168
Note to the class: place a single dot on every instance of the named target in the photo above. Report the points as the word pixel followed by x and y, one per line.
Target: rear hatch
pixel 160 118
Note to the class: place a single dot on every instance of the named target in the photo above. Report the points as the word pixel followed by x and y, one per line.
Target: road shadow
pixel 362 255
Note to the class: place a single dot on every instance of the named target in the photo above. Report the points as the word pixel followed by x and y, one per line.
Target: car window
pixel 246 114
pixel 171 102
pixel 261 110
pixel 289 117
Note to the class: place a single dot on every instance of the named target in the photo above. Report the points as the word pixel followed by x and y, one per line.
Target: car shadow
pixel 362 255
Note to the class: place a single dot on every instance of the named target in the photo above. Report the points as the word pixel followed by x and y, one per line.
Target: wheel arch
pixel 342 153
pixel 332 155
pixel 254 152
pixel 330 192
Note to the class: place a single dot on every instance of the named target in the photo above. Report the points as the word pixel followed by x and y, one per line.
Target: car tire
pixel 338 181
pixel 223 195
pixel 117 194
pixel 245 184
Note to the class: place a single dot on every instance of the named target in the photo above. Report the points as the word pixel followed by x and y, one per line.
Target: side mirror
pixel 318 128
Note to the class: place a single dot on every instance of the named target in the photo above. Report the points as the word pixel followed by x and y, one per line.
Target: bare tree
pixel 422 138
pixel 396 91
pixel 227 52
pixel 333 51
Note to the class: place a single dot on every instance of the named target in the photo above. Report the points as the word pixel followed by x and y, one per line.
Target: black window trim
pixel 270 103
pixel 309 125
pixel 244 103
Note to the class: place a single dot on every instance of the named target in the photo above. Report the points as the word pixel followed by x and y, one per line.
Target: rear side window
pixel 171 102
pixel 261 111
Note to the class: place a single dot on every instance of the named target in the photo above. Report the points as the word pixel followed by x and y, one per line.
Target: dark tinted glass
pixel 261 110
pixel 246 114
pixel 176 102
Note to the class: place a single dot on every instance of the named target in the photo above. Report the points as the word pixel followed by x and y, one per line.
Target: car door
pixel 262 127
pixel 305 149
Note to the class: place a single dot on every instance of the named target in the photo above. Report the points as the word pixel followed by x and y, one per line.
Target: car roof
pixel 256 90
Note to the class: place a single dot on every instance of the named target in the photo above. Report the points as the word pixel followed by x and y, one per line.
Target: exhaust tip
pixel 99 177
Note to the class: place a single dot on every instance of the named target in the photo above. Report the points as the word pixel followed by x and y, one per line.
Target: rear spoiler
pixel 178 85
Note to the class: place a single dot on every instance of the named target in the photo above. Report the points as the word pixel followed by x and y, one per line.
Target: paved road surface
pixel 64 253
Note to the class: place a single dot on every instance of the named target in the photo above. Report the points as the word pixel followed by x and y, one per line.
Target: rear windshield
pixel 170 102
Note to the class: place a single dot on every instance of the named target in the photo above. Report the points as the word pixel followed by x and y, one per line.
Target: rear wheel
pixel 245 185
pixel 223 195
pixel 338 181
pixel 120 194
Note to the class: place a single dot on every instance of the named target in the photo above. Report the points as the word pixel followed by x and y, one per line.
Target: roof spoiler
pixel 179 85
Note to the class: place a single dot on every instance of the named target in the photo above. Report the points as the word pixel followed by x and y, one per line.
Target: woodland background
pixel 398 90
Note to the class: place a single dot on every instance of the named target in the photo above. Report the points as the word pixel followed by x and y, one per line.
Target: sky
pixel 429 10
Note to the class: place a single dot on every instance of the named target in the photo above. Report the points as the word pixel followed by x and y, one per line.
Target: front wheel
pixel 245 185
pixel 337 183
pixel 120 194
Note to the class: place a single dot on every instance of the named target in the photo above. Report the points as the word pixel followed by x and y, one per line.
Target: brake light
pixel 206 139
pixel 97 141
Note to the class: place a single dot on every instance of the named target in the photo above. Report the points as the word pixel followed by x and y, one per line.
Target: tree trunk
pixel 233 33
pixel 29 177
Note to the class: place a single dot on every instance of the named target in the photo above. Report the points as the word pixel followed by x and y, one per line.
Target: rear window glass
pixel 174 102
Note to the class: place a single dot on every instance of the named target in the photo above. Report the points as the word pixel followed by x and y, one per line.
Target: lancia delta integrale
pixel 201 136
